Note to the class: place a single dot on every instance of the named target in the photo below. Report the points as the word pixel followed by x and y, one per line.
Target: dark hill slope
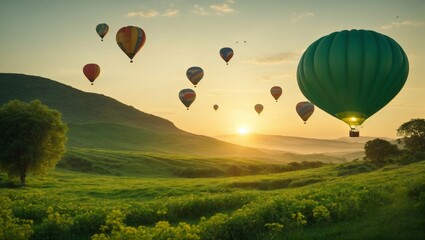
pixel 98 121
pixel 75 105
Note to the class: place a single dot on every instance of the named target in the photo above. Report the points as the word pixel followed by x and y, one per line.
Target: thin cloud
pixel 171 13
pixel 287 57
pixel 198 10
pixel 221 9
pixel 144 13
pixel 153 13
pixel 282 77
pixel 296 17
pixel 406 23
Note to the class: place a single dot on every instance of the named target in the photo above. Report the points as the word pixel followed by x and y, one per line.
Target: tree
pixel 413 133
pixel 378 150
pixel 32 138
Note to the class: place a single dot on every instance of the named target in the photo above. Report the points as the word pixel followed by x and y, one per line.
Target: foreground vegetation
pixel 329 200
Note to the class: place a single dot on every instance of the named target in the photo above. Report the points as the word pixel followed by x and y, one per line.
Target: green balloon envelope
pixel 352 74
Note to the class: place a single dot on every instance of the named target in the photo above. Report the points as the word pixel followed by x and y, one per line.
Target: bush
pixel 10 226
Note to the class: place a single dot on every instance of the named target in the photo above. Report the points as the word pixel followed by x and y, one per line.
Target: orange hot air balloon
pixel 131 39
pixel 258 108
pixel 91 71
pixel 276 92
pixel 304 110
pixel 215 107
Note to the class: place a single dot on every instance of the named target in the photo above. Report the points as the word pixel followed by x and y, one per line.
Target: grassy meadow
pixel 339 201
pixel 131 175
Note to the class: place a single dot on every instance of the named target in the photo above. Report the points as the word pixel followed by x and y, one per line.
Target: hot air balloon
pixel 187 96
pixel 227 54
pixel 276 92
pixel 102 30
pixel 304 110
pixel 258 108
pixel 352 74
pixel 91 71
pixel 195 74
pixel 131 39
pixel 215 107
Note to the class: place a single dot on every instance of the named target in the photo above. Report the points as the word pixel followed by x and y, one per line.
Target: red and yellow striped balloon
pixel 304 110
pixel 276 92
pixel 187 96
pixel 91 71
pixel 131 39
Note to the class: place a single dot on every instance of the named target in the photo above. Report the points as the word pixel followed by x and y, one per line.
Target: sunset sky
pixel 55 39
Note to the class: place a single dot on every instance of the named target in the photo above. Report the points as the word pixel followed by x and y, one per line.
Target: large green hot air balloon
pixel 352 74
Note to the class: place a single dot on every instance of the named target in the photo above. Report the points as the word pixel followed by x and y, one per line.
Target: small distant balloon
pixel 304 110
pixel 276 92
pixel 91 71
pixel 195 74
pixel 131 39
pixel 102 29
pixel 215 107
pixel 226 54
pixel 258 108
pixel 187 96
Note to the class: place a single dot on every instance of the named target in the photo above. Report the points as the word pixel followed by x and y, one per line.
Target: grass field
pixel 320 203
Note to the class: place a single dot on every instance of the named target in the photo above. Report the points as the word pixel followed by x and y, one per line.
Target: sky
pixel 56 38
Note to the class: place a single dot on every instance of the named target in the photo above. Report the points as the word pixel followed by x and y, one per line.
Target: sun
pixel 242 130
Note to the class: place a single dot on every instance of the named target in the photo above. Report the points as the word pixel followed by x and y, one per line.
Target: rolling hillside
pixel 296 144
pixel 98 121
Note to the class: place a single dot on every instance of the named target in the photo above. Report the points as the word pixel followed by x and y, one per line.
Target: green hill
pixel 98 121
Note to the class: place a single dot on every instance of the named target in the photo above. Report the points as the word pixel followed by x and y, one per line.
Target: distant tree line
pixel 412 145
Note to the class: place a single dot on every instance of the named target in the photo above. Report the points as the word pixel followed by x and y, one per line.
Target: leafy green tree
pixel 32 138
pixel 413 133
pixel 378 150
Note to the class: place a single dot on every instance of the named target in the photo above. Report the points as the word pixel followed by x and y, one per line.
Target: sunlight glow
pixel 243 130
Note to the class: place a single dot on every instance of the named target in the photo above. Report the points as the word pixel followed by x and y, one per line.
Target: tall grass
pixel 70 205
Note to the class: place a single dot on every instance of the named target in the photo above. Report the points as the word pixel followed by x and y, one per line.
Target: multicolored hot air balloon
pixel 276 92
pixel 195 74
pixel 227 54
pixel 102 30
pixel 131 39
pixel 304 110
pixel 91 71
pixel 352 74
pixel 258 108
pixel 187 96
pixel 215 107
